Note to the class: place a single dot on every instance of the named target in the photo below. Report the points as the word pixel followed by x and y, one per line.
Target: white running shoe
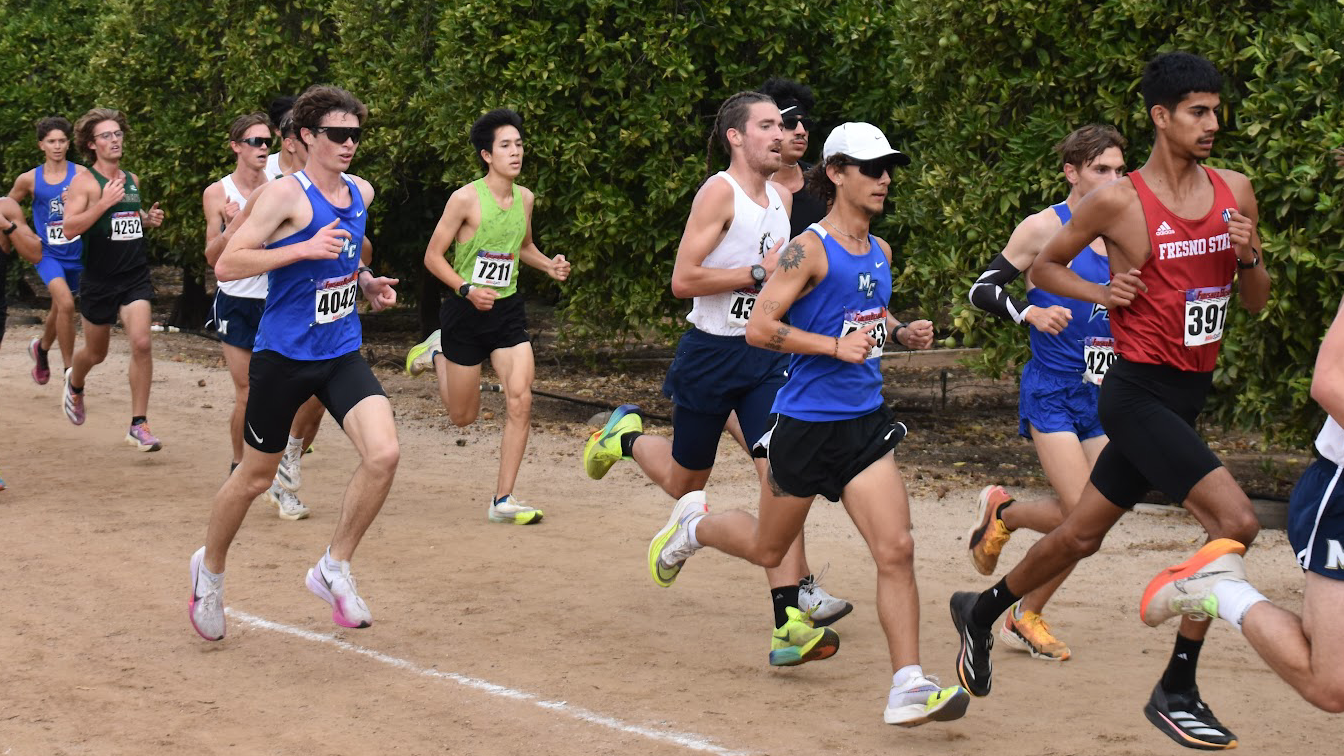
pixel 421 357
pixel 347 608
pixel 509 509
pixel 923 699
pixel 671 546
pixel 206 606
pixel 286 503
pixel 287 473
pixel 1187 588
pixel 825 608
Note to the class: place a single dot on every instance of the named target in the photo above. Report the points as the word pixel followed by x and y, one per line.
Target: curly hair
pixel 84 136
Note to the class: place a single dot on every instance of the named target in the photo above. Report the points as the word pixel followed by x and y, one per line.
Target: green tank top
pixel 490 256
pixel 115 244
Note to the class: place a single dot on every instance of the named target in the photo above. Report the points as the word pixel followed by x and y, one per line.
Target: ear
pixel 1071 173
pixel 734 137
pixel 835 173
pixel 1160 115
pixel 487 156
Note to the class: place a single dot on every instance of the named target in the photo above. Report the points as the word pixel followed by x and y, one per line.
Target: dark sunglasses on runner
pixel 874 168
pixel 256 141
pixel 791 122
pixel 338 134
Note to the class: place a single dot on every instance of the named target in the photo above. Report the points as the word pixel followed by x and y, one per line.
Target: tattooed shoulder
pixel 792 256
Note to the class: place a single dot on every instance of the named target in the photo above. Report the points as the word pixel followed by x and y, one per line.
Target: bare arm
pixel 1024 246
pixel 246 254
pixel 23 240
pixel 557 267
pixel 23 186
pixel 1253 283
pixel 1091 218
pixel 1327 383
pixel 711 214
pixel 445 233
pixel 86 202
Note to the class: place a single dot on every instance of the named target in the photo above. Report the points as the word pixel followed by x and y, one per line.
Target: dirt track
pixel 98 656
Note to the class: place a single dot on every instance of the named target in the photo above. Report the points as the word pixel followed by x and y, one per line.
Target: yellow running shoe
pixel 421 356
pixel 988 535
pixel 513 511
pixel 922 700
pixel 671 547
pixel 1030 633
pixel 798 642
pixel 604 447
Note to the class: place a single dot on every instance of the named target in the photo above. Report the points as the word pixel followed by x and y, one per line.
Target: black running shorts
pixel 470 335
pixel 279 386
pixel 810 458
pixel 101 301
pixel 1149 412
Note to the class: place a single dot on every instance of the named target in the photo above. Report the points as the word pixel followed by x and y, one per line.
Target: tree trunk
pixel 431 298
pixel 193 307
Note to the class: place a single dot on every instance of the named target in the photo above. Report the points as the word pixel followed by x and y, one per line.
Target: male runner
pixel 832 436
pixel 796 104
pixel 1177 235
pixel 60 264
pixel 281 162
pixel 306 231
pixel 490 221
pixel 238 305
pixel 14 235
pixel 1057 405
pixel 292 155
pixel 738 222
pixel 103 204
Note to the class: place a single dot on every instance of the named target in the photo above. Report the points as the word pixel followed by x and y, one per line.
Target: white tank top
pixel 253 287
pixel 753 232
pixel 273 171
pixel 1330 441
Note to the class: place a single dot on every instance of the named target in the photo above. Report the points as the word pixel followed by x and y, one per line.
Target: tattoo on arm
pixel 776 342
pixel 792 256
pixel 769 307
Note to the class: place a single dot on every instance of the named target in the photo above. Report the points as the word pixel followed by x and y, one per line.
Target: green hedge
pixel 618 97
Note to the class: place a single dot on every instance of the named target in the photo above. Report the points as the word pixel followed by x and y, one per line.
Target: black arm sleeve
pixel 988 294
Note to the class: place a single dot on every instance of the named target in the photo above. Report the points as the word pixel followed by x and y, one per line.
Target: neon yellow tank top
pixel 490 256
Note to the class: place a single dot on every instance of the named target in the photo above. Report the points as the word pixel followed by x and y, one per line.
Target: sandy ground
pixel 493 639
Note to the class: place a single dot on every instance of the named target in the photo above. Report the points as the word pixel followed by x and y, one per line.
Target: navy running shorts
pixel 1055 402
pixel 236 319
pixel 1316 520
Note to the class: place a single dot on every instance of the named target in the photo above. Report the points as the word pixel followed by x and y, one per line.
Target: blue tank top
pixel 1064 353
pixel 854 292
pixel 310 308
pixel 49 217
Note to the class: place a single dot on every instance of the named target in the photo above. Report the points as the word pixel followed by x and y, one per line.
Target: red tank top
pixel 1179 320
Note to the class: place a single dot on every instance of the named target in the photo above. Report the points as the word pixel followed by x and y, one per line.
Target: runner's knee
pixel 464 417
pixel 519 404
pixel 383 457
pixel 1240 525
pixel 141 346
pixel 1326 695
pixel 1072 543
pixel 895 552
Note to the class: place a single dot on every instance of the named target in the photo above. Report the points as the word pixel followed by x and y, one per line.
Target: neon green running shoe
pixel 798 642
pixel 924 699
pixel 604 447
pixel 671 547
pixel 421 356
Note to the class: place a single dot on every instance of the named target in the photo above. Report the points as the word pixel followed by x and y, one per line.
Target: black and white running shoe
pixel 1186 719
pixel 973 665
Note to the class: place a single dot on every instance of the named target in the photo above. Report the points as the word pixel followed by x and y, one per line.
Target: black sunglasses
pixel 791 122
pixel 256 141
pixel 873 168
pixel 338 134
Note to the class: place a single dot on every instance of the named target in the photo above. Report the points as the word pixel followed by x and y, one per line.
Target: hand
pixel 1123 289
pixel 918 334
pixel 1051 320
pixel 1239 230
pixel 771 259
pixel 231 209
pixel 855 346
pixel 114 191
pixel 482 297
pixel 326 244
pixel 1339 156
pixel 378 290
pixel 559 269
pixel 154 216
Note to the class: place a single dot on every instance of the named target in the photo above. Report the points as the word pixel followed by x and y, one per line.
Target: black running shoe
pixel 1186 719
pixel 973 666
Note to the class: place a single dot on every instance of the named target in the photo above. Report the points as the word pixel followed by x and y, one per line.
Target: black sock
pixel 628 444
pixel 42 357
pixel 1180 674
pixel 998 513
pixel 76 389
pixel 992 603
pixel 232 466
pixel 783 597
pixel 138 419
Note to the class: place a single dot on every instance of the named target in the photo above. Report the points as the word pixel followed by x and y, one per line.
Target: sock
pixel 76 389
pixel 434 353
pixel 294 443
pixel 499 499
pixel 205 574
pixel 138 420
pixel 42 357
pixel 905 674
pixel 1235 598
pixel 783 597
pixel 1180 674
pixel 690 533
pixel 628 443
pixel 998 513
pixel 993 603
pixel 232 466
pixel 331 566
pixel 1018 610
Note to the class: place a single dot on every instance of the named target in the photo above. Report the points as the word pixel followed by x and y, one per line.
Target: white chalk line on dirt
pixel 686 740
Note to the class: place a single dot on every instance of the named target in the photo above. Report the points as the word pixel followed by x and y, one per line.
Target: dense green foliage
pixel 618 98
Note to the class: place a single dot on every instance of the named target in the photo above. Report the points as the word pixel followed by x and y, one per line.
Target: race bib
pixel 336 298
pixel 56 234
pixel 1205 313
pixel 127 226
pixel 493 269
pixel 855 321
pixel 1098 357
pixel 739 308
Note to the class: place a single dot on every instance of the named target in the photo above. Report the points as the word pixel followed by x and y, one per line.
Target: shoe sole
pixel 521 518
pixel 1208 553
pixel 1173 731
pixel 961 653
pixel 337 615
pixel 196 560
pixel 951 709
pixel 823 646
pixel 660 540
pixel 415 352
pixel 595 464
pixel 1020 643
pixel 133 441
pixel 981 526
pixel 280 511
pixel 831 620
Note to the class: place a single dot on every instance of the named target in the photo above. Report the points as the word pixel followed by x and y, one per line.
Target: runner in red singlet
pixel 1178 236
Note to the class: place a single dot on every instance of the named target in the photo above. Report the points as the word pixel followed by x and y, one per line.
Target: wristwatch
pixel 758 274
pixel 10 230
pixel 1240 265
pixel 363 269
pixel 464 290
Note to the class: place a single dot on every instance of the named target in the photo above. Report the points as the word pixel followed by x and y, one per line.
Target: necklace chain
pixel 827 220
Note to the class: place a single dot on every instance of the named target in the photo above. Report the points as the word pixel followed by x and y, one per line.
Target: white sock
pixel 905 674
pixel 1235 599
pixel 332 566
pixel 691 525
pixel 208 575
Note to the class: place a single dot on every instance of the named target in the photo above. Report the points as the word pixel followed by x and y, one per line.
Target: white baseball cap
pixel 861 141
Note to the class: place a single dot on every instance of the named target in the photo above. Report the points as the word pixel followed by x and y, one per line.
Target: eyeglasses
pixel 873 168
pixel 110 135
pixel 338 134
pixel 256 142
pixel 791 122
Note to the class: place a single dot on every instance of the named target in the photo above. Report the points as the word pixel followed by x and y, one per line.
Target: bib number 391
pixel 1205 314
pixel 739 308
pixel 493 269
pixel 126 226
pixel 336 298
pixel 1098 357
